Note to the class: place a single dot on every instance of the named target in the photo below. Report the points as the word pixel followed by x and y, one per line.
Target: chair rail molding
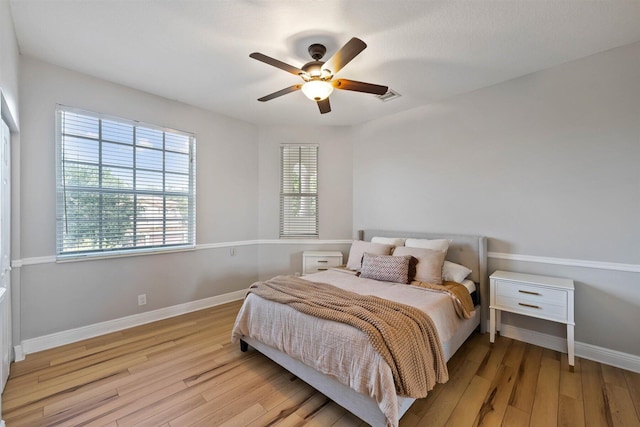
pixel 599 265
pixel 17 263
pixel 568 262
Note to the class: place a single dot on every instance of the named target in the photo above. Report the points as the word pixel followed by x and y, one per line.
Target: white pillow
pixel 452 272
pixel 395 241
pixel 359 247
pixel 435 244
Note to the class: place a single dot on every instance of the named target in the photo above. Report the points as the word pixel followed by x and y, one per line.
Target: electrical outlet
pixel 142 299
pixel 232 251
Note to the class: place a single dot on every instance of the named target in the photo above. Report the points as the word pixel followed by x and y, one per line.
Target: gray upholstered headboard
pixel 470 251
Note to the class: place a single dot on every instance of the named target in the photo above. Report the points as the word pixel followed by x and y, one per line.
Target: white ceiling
pixel 197 52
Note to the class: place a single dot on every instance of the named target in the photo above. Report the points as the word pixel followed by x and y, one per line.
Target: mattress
pixel 473 291
pixel 470 285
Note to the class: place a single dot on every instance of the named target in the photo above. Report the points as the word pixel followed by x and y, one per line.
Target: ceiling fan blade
pixel 280 93
pixel 345 84
pixel 278 64
pixel 324 106
pixel 344 55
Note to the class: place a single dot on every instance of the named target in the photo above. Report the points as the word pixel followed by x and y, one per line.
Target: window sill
pixel 122 254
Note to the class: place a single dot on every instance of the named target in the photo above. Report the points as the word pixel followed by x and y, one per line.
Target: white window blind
pixel 122 185
pixel 299 190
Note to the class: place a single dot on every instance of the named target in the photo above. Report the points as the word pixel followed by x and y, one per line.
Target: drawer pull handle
pixel 528 305
pixel 322 269
pixel 528 292
pixel 322 261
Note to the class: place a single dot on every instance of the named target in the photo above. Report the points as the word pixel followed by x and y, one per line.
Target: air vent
pixel 391 94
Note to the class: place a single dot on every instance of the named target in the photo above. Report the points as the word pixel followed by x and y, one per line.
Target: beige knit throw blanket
pixel 462 301
pixel 405 336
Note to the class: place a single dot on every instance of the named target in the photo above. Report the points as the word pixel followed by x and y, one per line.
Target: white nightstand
pixel 549 298
pixel 314 261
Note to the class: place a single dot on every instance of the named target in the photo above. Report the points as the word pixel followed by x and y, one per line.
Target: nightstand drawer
pixel 322 263
pixel 533 308
pixel 312 262
pixel 530 293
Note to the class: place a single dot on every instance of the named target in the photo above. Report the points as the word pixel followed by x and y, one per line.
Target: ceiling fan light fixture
pixel 317 75
pixel 317 90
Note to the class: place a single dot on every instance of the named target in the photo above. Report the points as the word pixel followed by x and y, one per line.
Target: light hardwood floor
pixel 184 371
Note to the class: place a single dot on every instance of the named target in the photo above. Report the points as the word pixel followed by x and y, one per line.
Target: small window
pixel 122 186
pixel 299 190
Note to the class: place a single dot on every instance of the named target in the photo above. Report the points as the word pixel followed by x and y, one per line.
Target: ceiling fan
pixel 318 75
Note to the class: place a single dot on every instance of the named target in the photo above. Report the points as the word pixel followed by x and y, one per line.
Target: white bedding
pixel 337 349
pixel 470 285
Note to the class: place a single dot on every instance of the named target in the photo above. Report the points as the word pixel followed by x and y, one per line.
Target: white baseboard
pixel 18 354
pixel 615 358
pixel 607 356
pixel 57 339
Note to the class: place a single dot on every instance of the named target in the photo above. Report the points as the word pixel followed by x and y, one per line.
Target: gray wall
pixel 9 56
pixel 59 296
pixel 544 165
pixel 237 201
pixel 335 178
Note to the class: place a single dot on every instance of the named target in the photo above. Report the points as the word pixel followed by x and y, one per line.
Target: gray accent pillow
pixel 386 268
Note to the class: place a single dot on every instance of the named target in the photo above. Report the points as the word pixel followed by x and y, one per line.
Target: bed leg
pixel 243 346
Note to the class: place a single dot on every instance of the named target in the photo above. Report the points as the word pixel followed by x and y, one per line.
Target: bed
pixel 366 394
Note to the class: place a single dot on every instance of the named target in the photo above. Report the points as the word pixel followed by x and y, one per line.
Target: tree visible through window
pixel 299 190
pixel 122 185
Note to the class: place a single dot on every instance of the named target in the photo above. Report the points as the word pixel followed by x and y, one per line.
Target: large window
pixel 122 186
pixel 299 190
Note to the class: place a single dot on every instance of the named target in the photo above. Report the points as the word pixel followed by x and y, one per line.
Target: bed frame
pixel 470 251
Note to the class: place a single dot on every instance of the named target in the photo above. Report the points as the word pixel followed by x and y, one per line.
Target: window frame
pixel 71 252
pixel 313 231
